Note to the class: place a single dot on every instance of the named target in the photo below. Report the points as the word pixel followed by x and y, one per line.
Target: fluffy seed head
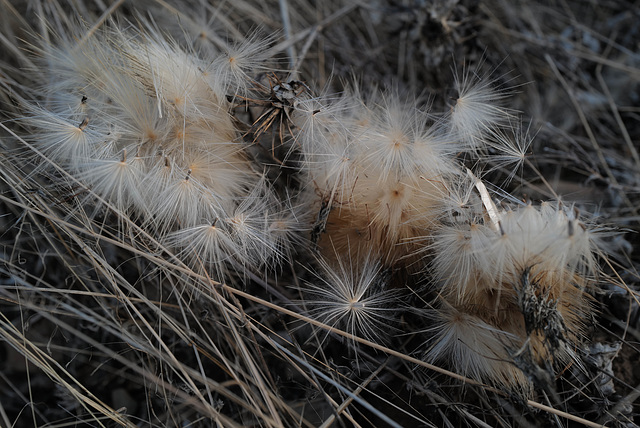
pixel 474 348
pixel 478 109
pixel 118 180
pixel 70 140
pixel 207 247
pixel 353 298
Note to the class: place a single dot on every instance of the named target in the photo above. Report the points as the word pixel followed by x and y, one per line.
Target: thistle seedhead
pixel 353 297
pixel 523 272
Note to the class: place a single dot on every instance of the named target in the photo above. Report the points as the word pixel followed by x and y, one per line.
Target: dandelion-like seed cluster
pixel 147 127
pixel 378 197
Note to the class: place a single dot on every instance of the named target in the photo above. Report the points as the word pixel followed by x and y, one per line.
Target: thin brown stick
pixel 106 14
